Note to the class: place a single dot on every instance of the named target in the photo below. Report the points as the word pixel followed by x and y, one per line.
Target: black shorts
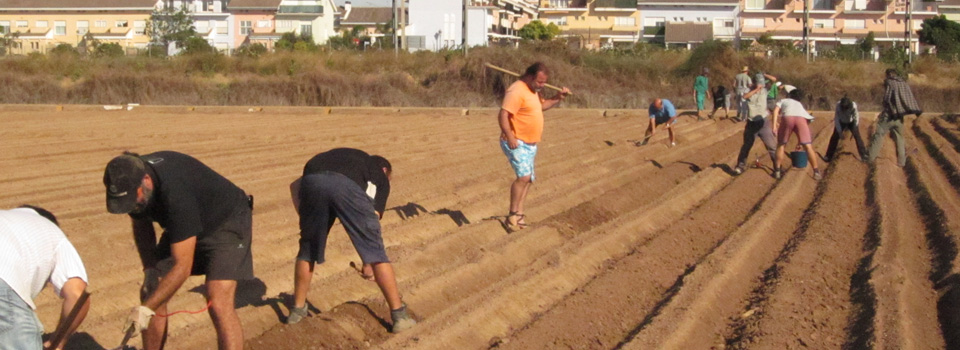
pixel 327 196
pixel 224 254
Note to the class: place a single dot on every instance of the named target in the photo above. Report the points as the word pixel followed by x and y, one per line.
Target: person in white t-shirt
pixel 34 251
pixel 790 117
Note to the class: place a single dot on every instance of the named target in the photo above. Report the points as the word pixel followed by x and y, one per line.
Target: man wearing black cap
pixel 207 231
pixel 353 186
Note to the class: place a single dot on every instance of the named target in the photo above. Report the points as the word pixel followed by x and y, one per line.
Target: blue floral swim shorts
pixel 521 158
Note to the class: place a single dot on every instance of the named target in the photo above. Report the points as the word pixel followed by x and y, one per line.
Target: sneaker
pixel 817 175
pixel 777 174
pixel 297 314
pixel 401 320
pixel 738 170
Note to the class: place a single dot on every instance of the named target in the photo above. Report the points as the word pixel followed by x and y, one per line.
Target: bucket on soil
pixel 799 159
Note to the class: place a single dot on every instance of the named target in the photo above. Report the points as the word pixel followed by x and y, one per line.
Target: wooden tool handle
pixel 515 74
pixel 65 323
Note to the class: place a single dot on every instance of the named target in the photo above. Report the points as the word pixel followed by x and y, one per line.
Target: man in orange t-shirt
pixel 521 125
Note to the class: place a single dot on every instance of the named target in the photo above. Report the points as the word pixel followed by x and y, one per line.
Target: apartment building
pixel 835 22
pixel 255 22
pixel 210 19
pixel 686 23
pixel 314 18
pixel 439 24
pixel 40 25
pixel 371 19
pixel 508 16
pixel 593 24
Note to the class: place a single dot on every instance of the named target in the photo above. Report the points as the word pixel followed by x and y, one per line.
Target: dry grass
pixel 612 79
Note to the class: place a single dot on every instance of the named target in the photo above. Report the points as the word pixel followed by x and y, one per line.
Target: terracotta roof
pixel 76 4
pixel 687 32
pixel 827 36
pixel 368 15
pixel 252 4
pixel 688 2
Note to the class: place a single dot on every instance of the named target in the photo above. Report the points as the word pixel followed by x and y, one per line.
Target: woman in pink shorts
pixel 795 120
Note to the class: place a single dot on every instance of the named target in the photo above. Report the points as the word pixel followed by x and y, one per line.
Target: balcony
pixel 284 9
pixel 565 6
pixel 615 5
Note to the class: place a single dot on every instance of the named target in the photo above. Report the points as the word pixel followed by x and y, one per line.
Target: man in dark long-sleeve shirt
pixel 353 186
pixel 898 101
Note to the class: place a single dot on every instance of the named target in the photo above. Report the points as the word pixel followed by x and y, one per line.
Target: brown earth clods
pixel 629 247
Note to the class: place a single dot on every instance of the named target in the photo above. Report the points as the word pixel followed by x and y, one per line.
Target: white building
pixel 211 20
pixel 438 24
pixel 693 21
pixel 312 17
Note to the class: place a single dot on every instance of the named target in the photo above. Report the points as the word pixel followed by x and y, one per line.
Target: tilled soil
pixel 629 247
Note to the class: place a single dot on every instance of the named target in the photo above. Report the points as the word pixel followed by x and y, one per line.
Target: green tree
pixel 867 43
pixel 536 30
pixel 7 42
pixel 942 33
pixel 170 25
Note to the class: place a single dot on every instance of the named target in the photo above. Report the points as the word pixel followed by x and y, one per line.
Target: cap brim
pixel 121 204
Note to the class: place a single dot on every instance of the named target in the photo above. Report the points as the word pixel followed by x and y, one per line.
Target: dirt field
pixel 630 247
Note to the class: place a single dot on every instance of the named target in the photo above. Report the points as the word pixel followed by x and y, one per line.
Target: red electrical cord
pixel 186 311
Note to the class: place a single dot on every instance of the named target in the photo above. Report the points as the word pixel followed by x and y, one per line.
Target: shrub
pixel 251 50
pixel 108 50
pixel 63 49
pixel 197 46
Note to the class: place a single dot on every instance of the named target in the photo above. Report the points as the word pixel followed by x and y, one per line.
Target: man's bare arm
pixel 182 253
pixel 70 293
pixel 505 132
pixel 553 102
pixel 146 239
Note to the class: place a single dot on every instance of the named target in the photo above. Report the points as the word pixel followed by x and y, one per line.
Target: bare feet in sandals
pixel 515 222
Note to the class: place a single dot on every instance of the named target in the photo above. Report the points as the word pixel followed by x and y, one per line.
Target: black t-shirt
pixel 189 199
pixel 359 167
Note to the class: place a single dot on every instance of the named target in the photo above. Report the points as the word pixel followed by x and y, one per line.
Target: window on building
pixel 246 27
pixel 42 24
pixel 624 22
pixel 34 45
pixel 654 21
pixel 823 23
pixel 122 24
pixel 23 24
pixel 222 27
pixel 60 27
pixel 854 24
pixel 285 24
pixel 100 24
pixel 755 4
pixel 719 23
pixel 917 24
pixel 306 28
pixel 753 22
pixel 263 24
pixel 83 27
pixel 4 27
pixel 140 27
pixel 823 5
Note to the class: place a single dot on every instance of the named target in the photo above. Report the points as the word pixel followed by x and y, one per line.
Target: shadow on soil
pixel 412 210
pixel 944 249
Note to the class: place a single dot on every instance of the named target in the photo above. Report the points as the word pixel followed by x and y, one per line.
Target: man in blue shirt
pixel 661 112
